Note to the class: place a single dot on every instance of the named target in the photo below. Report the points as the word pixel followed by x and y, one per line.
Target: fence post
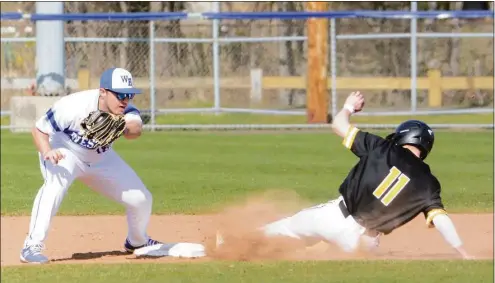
pixel 414 94
pixel 317 80
pixel 333 64
pixel 152 75
pixel 434 88
pixel 256 86
pixel 50 51
pixel 216 60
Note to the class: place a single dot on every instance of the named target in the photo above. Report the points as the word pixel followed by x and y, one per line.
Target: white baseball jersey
pixel 62 122
pixel 100 168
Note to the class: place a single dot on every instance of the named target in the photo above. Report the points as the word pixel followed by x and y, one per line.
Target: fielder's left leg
pixel 115 179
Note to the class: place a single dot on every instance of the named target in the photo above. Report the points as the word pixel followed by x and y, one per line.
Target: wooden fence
pixel 434 83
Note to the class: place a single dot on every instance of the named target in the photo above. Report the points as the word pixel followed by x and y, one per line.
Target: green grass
pixel 198 172
pixel 243 118
pixel 240 272
pixel 4 120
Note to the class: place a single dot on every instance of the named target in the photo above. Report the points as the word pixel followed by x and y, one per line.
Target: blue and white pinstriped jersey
pixel 62 123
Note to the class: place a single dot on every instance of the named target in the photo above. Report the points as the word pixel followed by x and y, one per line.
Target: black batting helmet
pixel 415 133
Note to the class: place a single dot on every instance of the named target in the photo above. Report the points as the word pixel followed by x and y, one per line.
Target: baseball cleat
pixel 130 248
pixel 32 254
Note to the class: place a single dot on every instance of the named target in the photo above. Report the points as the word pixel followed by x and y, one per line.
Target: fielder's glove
pixel 103 127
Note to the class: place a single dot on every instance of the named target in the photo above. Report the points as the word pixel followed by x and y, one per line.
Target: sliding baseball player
pixel 389 186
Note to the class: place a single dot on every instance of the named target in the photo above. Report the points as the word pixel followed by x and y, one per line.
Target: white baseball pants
pixel 112 177
pixel 321 222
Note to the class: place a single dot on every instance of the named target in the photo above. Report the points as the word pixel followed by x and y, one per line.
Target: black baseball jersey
pixel 389 186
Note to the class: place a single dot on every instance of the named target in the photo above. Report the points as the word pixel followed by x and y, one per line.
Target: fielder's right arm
pixel 43 145
pixel 53 121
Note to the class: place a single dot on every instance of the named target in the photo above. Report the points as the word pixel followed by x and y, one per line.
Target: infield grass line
pixel 197 172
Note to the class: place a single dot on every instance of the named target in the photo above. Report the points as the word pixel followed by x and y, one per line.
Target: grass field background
pixel 245 118
pixel 201 171
pixel 196 172
pixel 252 272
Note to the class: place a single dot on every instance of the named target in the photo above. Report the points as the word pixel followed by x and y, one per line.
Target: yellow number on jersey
pixel 387 182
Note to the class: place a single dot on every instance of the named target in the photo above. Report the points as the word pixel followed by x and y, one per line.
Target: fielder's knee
pixel 137 198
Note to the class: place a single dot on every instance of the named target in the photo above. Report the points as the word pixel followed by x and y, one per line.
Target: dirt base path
pixel 99 239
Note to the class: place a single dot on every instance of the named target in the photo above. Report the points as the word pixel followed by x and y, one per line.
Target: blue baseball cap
pixel 118 80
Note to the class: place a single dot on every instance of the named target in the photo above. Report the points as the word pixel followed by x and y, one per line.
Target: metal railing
pixel 155 69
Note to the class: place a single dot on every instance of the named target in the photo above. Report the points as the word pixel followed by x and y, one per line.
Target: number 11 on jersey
pixel 392 176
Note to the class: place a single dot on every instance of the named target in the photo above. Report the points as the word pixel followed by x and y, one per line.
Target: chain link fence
pixel 391 57
pixel 18 58
pixel 97 45
pixel 464 57
pixel 184 59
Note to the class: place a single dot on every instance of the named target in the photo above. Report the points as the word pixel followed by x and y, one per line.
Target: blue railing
pixel 149 16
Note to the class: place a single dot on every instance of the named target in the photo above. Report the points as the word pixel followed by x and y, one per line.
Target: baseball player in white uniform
pixel 65 155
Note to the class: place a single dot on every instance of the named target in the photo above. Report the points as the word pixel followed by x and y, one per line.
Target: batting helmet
pixel 415 133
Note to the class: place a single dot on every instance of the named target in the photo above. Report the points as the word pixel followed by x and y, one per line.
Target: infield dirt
pixel 99 239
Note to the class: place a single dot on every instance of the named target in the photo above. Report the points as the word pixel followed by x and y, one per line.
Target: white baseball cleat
pixel 130 248
pixel 186 250
pixel 32 254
